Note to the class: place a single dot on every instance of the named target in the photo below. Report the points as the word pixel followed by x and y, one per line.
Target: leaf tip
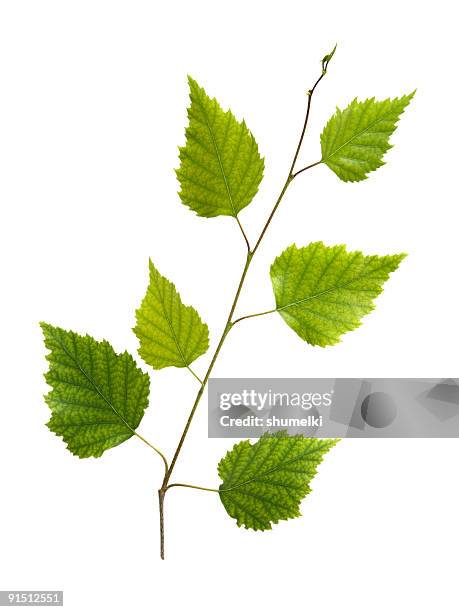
pixel 193 84
pixel 151 266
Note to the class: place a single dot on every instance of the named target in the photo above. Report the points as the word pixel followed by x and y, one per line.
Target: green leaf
pixel 170 333
pixel 265 482
pixel 98 398
pixel 220 166
pixel 322 292
pixel 327 58
pixel 355 139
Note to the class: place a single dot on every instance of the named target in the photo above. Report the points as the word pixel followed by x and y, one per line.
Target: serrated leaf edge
pixel 47 328
pixel 356 101
pixel 194 85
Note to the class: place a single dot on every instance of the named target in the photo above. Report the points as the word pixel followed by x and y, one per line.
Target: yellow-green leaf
pixel 322 292
pixel 356 138
pixel 170 333
pixel 220 166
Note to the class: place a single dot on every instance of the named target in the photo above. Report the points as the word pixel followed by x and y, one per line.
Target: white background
pixel 93 106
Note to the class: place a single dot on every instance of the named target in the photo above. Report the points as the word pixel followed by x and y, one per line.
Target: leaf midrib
pixel 326 291
pixel 217 152
pixel 169 322
pixel 272 470
pixel 325 159
pixel 91 380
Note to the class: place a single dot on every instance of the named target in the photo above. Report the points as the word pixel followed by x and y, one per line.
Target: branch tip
pixel 327 58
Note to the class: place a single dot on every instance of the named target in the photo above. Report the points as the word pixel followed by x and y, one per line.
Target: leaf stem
pixel 247 243
pixel 166 466
pixel 229 323
pixel 306 168
pixel 194 374
pixel 189 486
pixel 257 314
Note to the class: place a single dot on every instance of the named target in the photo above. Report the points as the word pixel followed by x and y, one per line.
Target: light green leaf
pixel 327 58
pixel 265 482
pixel 220 166
pixel 98 398
pixel 355 139
pixel 170 333
pixel 322 292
